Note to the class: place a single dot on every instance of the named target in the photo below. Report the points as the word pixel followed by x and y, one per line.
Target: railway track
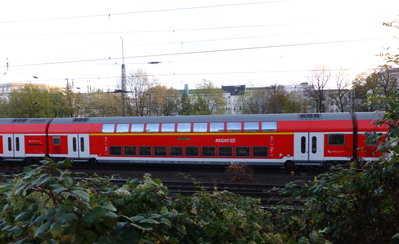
pixel 267 193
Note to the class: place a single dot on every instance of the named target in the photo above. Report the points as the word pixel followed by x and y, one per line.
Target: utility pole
pixel 123 82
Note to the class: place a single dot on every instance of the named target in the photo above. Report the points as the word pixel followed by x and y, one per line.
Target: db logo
pixel 225 140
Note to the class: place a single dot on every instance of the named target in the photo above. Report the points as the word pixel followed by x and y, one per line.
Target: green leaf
pixel 22 216
pixel 82 194
pixel 56 229
pixel 68 181
pixel 68 217
pixel 44 227
pixel 148 221
pixel 166 222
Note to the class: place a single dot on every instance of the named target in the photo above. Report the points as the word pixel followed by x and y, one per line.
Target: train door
pixel 316 146
pixel 309 146
pixel 78 146
pixel 14 145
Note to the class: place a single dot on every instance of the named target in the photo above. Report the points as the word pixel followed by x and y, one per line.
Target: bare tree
pixel 140 100
pixel 316 91
pixel 341 96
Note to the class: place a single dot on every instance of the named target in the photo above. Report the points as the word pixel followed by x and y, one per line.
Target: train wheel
pixel 92 161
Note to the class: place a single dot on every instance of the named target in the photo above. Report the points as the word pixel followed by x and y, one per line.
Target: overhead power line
pixel 192 52
pixel 140 12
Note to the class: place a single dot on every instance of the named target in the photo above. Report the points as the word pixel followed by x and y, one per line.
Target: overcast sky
pixel 229 42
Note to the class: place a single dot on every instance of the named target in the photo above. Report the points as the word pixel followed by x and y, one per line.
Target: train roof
pixel 218 118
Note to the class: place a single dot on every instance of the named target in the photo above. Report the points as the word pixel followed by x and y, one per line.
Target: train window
pixel 314 144
pixel 260 152
pixel 269 126
pixel 159 151
pixel 225 151
pixel 9 144
pixel 130 151
pixel 152 127
pixel 115 150
pixel 137 128
pixel 122 128
pixel 303 144
pixel 336 139
pixel 108 128
pixel 242 151
pixel 192 151
pixel 216 127
pixel 82 144
pixel 168 127
pixel 17 144
pixel 74 144
pixel 56 140
pixel 208 151
pixel 233 126
pixel 251 126
pixel 183 127
pixel 176 151
pixel 200 127
pixel 145 151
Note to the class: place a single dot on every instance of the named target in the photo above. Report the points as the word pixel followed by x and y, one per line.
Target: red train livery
pixel 269 139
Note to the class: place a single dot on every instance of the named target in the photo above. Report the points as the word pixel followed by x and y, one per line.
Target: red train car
pixel 270 139
pixel 23 139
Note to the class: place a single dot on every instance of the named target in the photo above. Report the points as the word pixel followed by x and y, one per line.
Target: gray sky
pixel 229 42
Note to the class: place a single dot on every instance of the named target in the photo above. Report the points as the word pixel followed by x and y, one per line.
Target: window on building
pixel 216 127
pixel 152 127
pixel 115 150
pixel 336 139
pixel 108 128
pixel 260 152
pixel 122 128
pixel 137 128
pixel 225 151
pixel 208 151
pixel 168 127
pixel 242 151
pixel 183 127
pixel 200 127
pixel 251 126
pixel 130 151
pixel 176 151
pixel 145 151
pixel 192 151
pixel 233 126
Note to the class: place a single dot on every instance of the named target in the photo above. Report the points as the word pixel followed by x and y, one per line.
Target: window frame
pixel 106 128
pixel 235 129
pixel 246 123
pixel 140 148
pixel 148 128
pixel 254 149
pixel 221 148
pixel 247 155
pixel 330 139
pixel 115 147
pixel 169 129
pixel 205 149
pixel 122 128
pixel 214 127
pixel 137 128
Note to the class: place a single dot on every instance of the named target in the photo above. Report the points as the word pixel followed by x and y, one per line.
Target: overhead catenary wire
pixel 192 52
pixel 141 12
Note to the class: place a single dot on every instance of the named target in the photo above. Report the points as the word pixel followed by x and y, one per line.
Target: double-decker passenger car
pixel 269 139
